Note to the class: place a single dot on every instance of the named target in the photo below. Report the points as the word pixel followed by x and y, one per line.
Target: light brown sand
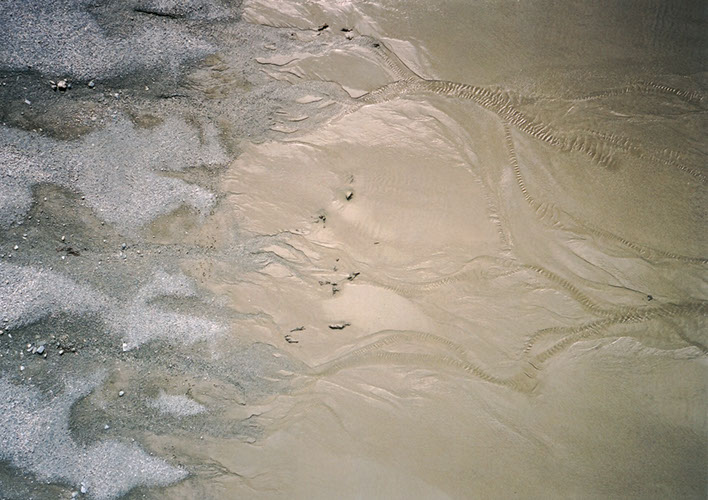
pixel 528 317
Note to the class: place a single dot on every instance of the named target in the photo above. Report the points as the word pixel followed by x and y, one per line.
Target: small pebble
pixel 91 84
pixel 106 427
pixel 40 350
pixel 83 489
pixel 121 394
pixel 15 247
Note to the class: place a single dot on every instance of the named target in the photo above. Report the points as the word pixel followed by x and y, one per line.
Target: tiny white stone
pixel 121 394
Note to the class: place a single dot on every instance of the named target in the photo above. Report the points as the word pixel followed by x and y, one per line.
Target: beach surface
pixel 283 249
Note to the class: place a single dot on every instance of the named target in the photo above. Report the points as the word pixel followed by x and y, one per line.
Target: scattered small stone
pixel 123 246
pixel 323 27
pixel 22 368
pixel 339 326
pixel 62 85
pixel 352 276
pixel 649 297
pixel 61 351
pixel 63 238
pixel 15 247
pixel 28 102
pixel 106 427
pixel 74 494
pixel 91 84
pixel 297 329
pixel 349 195
pixel 291 340
pixel 83 489
pixel 121 394
pixel 40 349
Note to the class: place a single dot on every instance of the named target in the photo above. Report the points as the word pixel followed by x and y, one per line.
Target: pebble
pixel 83 489
pixel 28 102
pixel 124 246
pixel 106 427
pixel 62 85
pixel 40 349
pixel 121 394
pixel 91 84
pixel 15 247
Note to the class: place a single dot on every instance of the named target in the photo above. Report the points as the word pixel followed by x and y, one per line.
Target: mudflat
pixel 389 249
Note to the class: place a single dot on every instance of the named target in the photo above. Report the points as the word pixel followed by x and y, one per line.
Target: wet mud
pixel 379 250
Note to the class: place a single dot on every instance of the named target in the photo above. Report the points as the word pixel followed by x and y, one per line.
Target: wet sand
pixel 396 250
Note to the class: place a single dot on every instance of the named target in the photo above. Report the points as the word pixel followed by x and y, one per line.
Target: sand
pixel 354 250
